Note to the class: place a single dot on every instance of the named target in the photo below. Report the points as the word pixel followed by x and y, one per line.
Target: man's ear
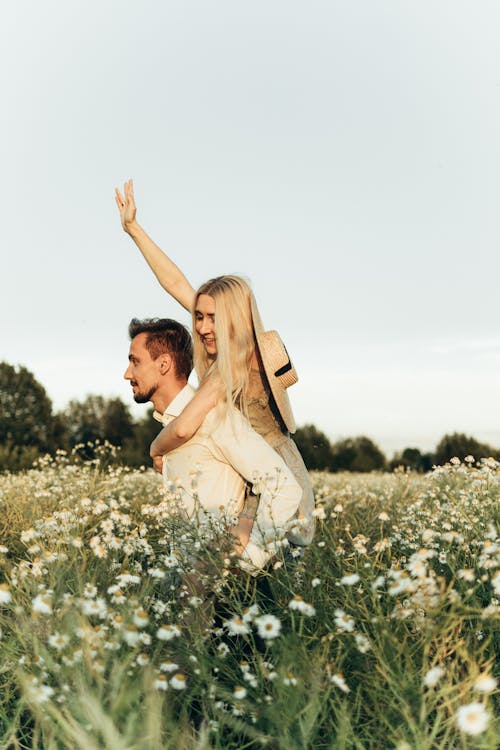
pixel 165 363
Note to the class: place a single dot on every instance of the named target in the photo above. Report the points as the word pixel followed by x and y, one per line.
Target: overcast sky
pixel 342 155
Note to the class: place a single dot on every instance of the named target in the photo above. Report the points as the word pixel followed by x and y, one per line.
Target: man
pixel 225 452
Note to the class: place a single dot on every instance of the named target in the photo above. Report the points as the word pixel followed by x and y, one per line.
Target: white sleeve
pixel 255 460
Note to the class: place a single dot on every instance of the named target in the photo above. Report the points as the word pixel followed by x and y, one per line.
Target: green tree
pixel 460 445
pixel 413 459
pixel 98 418
pixel 314 446
pixel 135 450
pixel 357 454
pixel 26 417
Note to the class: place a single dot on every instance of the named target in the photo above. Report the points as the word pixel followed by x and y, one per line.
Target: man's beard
pixel 142 397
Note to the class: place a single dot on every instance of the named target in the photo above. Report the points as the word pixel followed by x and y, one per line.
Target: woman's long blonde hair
pixel 235 339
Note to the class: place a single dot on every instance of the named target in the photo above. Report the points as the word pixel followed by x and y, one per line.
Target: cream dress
pixel 264 418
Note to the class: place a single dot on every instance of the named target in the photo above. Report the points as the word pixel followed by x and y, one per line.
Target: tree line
pixel 363 454
pixel 29 428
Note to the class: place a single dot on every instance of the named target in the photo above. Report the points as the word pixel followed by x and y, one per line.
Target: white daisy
pixel 58 641
pixel 339 681
pixel 432 676
pixel 161 682
pixel 5 595
pixel 40 693
pixel 344 621
pixel 362 643
pixel 178 681
pixel 168 632
pixel 117 595
pixel 42 604
pixel 94 607
pixel 301 606
pixel 319 512
pixel 169 666
pixel 349 580
pixel 89 591
pixel 495 582
pixel 485 683
pixel 268 626
pixel 157 573
pixel 131 635
pixel 223 650
pixel 28 535
pixel 472 718
pixel 236 626
pixel 141 618
pixel 250 612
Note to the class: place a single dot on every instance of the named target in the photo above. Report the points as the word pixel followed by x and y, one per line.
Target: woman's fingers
pixel 126 203
pixel 119 197
pixel 129 192
pixel 129 195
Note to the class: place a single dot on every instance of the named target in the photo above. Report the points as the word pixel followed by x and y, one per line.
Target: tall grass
pixel 379 636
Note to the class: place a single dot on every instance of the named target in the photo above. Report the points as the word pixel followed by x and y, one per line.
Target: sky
pixel 342 155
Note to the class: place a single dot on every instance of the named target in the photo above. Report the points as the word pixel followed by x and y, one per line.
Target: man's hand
pixel 241 533
pixel 126 205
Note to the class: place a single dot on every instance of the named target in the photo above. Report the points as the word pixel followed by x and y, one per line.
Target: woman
pixel 237 362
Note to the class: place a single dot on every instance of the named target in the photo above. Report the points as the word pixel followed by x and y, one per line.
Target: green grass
pixel 399 580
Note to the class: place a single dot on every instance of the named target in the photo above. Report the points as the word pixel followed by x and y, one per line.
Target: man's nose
pixel 127 374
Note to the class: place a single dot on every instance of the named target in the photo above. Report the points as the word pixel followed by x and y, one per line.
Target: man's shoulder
pixel 180 401
pixel 227 424
pixel 184 396
pixel 176 406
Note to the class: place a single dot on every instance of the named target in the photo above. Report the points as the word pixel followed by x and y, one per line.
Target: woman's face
pixel 204 323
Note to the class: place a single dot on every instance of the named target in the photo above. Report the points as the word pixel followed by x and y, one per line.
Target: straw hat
pixel 280 372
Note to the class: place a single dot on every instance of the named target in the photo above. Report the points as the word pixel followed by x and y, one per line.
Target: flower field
pixel 382 635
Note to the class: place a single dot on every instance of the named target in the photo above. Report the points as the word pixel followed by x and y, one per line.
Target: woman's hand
pixel 168 274
pixel 182 428
pixel 126 205
pixel 157 455
pixel 158 464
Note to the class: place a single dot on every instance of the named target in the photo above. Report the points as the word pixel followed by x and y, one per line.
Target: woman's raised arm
pixel 168 274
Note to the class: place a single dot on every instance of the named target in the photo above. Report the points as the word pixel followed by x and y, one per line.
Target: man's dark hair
pixel 166 336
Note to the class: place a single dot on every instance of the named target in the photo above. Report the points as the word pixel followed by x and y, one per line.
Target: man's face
pixel 143 372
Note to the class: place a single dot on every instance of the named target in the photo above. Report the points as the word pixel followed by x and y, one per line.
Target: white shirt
pixel 224 453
